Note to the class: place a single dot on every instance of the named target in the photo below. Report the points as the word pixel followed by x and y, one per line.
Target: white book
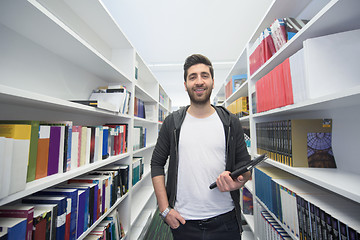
pixel 116 99
pixel 97 140
pixel 298 80
pixel 332 63
pixel 61 150
pixel 20 158
pixel 83 145
pixel 88 144
pixel 100 145
pixel 6 151
pixel 150 112
pixel 74 150
pixel 136 138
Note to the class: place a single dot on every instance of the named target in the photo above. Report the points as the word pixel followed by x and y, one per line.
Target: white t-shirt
pixel 201 160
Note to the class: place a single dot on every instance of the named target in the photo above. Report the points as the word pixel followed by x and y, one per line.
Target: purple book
pixel 54 150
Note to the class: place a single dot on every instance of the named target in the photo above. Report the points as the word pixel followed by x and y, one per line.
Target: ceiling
pixel 165 32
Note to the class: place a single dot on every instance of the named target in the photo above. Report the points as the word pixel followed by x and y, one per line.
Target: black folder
pixel 244 169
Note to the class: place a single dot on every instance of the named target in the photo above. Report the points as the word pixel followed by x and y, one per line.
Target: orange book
pixel 43 152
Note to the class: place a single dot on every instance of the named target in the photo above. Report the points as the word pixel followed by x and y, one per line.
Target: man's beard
pixel 199 100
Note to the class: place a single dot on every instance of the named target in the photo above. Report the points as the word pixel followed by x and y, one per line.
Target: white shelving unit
pixel 326 17
pixel 56 51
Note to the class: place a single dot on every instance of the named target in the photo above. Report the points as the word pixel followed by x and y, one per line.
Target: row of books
pixel 272 39
pixel 246 201
pixel 34 149
pixel 110 228
pixel 234 83
pixel 137 169
pixel 275 89
pixel 270 229
pixel 115 98
pixel 297 142
pixel 240 107
pixel 306 211
pixel 67 210
pixel 162 115
pixel 139 137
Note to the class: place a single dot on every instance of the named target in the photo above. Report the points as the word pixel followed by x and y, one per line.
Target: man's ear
pixel 185 86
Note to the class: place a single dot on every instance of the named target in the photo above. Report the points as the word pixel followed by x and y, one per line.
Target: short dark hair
pixel 196 59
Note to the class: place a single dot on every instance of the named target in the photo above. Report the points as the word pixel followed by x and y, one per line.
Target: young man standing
pixel 205 143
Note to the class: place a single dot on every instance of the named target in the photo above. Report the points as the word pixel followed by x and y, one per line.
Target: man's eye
pixel 205 75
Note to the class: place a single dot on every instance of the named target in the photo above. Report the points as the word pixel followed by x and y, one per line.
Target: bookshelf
pixel 342 106
pixel 56 51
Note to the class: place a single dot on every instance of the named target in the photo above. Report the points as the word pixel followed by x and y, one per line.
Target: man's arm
pixel 173 218
pixel 160 192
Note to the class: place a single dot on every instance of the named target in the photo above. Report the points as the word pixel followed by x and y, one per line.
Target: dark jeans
pixel 223 227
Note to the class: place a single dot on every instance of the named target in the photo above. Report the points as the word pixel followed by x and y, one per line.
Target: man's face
pixel 199 83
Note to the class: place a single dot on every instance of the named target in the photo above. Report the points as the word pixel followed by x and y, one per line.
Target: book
pixel 54 150
pixel 297 142
pixel 117 180
pixel 73 195
pixel 117 99
pixel 83 143
pixel 19 211
pixel 111 186
pixel 278 33
pixel 104 183
pixel 88 145
pixel 247 202
pixel 75 147
pixel 21 135
pixel 6 151
pixel 61 203
pixel 92 191
pixel 92 130
pixel 100 181
pixel 326 62
pixel 43 151
pixel 15 227
pixel 49 213
pixel 42 222
pixel 105 141
pixel 33 146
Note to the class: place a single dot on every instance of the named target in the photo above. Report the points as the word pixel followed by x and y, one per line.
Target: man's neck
pixel 201 111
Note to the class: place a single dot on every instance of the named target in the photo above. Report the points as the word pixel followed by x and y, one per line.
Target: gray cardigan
pixel 167 145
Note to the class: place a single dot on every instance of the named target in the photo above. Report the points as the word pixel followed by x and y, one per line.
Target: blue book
pixel 73 195
pixel 92 195
pixel 81 213
pixel 15 227
pixel 101 181
pixel 105 152
pixel 67 164
pixel 61 211
pixel 83 208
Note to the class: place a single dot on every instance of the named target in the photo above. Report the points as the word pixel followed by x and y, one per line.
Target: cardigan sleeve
pixel 161 151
